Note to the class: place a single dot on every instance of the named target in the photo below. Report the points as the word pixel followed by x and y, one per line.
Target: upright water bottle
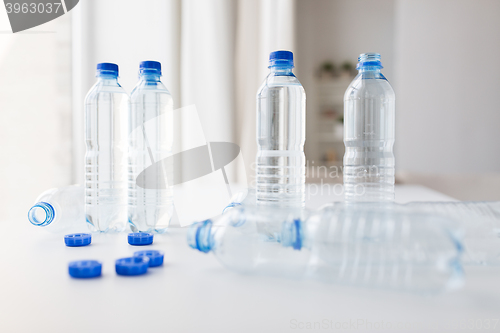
pixel 106 109
pixel 369 111
pixel 60 210
pixel 281 121
pixel 150 202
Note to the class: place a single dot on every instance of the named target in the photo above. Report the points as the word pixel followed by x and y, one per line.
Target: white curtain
pixel 214 54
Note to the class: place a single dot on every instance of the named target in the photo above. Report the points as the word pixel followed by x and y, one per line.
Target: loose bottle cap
pixel 140 238
pixel 155 257
pixel 85 269
pixel 77 239
pixel 132 266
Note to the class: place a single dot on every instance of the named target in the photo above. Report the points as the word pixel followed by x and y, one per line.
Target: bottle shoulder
pixel 101 88
pixel 280 81
pixel 149 87
pixel 369 87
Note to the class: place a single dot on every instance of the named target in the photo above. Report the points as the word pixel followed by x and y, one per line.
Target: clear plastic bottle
pixel 60 210
pixel 106 110
pixel 281 106
pixel 248 240
pixel 480 221
pixel 369 130
pixel 373 247
pixel 150 206
pixel 385 246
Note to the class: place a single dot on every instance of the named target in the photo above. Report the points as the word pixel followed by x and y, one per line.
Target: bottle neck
pixel 107 79
pixel 41 214
pixel 281 70
pixel 149 77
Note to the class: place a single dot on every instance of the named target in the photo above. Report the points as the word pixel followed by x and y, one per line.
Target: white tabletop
pixel 192 292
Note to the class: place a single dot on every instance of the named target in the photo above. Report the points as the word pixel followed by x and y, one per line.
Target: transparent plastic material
pixel 60 210
pixel 242 198
pixel 249 241
pixel 106 110
pixel 480 221
pixel 281 105
pixel 369 132
pixel 150 204
pixel 373 247
pixel 385 247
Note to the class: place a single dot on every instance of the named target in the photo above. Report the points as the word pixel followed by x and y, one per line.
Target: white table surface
pixel 192 292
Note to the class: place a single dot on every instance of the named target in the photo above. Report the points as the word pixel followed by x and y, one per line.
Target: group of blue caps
pixel 138 264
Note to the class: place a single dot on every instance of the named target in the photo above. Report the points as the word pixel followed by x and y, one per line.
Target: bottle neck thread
pixel 41 214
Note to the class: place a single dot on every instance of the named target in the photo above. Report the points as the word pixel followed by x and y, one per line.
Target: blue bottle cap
pixel 281 58
pixel 77 239
pixel 150 65
pixel 140 238
pixel 132 266
pixel 155 257
pixel 107 68
pixel 85 269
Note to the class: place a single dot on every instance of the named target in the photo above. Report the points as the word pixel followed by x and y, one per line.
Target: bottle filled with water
pixel 60 210
pixel 369 128
pixel 281 106
pixel 150 202
pixel 106 110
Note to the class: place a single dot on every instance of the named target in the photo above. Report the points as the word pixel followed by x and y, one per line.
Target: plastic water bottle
pixel 248 240
pixel 106 110
pixel 245 198
pixel 385 247
pixel 60 210
pixel 369 111
pixel 369 247
pixel 150 201
pixel 480 221
pixel 281 106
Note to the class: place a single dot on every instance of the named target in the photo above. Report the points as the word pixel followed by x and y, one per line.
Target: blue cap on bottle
pixel 140 238
pixel 132 266
pixel 107 68
pixel 149 66
pixel 281 59
pixel 74 240
pixel 85 268
pixel 155 257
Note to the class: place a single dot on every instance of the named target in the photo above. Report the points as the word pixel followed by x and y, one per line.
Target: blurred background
pixel 440 56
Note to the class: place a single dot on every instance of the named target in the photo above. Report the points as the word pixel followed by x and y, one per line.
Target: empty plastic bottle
pixel 369 127
pixel 480 221
pixel 385 247
pixel 60 210
pixel 245 197
pixel 150 201
pixel 281 106
pixel 373 247
pixel 106 110
pixel 248 240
